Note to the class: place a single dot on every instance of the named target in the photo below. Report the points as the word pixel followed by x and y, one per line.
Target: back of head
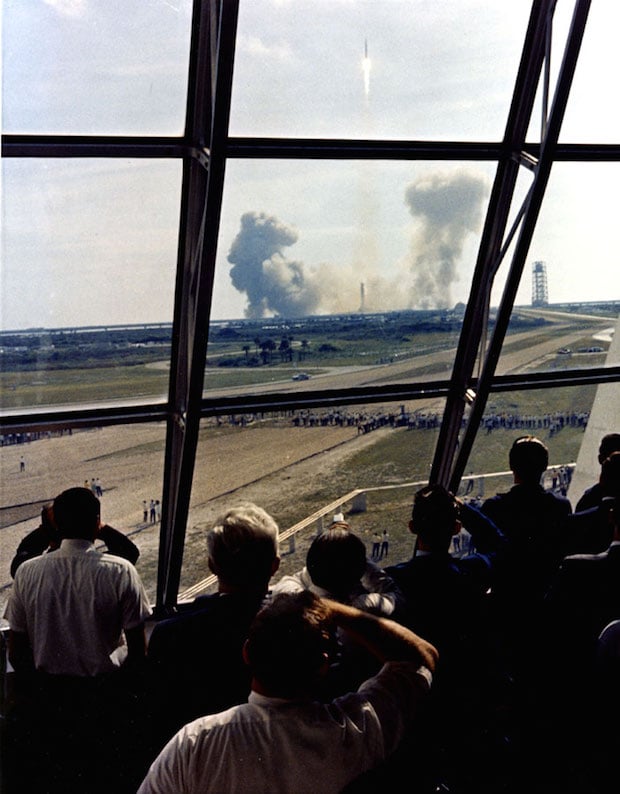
pixel 610 475
pixel 609 443
pixel 336 560
pixel 243 548
pixel 76 513
pixel 528 459
pixel 288 644
pixel 434 516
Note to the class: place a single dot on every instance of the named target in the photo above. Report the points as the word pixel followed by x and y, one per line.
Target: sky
pixel 94 241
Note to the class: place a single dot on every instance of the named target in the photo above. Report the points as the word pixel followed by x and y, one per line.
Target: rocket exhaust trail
pixel 366 69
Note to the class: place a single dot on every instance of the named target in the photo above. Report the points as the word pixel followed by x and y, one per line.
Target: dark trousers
pixel 71 735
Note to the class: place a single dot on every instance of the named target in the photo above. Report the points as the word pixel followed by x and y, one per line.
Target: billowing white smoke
pixel 447 206
pixel 272 282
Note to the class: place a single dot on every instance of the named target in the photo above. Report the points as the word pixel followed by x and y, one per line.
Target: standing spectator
pixel 145 511
pixel 22 463
pixel 593 495
pixel 152 511
pixel 376 545
pixel 590 531
pixel 336 567
pixel 195 658
pixel 283 733
pixel 385 545
pixel 446 599
pixel 98 487
pixel 533 521
pixel 157 510
pixel 76 621
pixel 46 538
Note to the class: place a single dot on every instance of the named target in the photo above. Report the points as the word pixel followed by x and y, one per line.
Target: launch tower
pixel 540 294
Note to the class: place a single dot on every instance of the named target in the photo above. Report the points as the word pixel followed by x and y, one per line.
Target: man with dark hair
pixel 590 531
pixel 533 520
pixel 68 611
pixel 444 596
pixel 195 658
pixel 46 538
pixel 76 620
pixel 593 495
pixel 283 739
pixel 447 600
pixel 337 567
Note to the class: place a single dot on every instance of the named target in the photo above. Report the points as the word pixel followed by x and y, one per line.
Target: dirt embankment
pixel 270 465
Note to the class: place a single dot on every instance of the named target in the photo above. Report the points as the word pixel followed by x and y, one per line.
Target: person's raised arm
pixel 118 544
pixel 387 640
pixel 487 537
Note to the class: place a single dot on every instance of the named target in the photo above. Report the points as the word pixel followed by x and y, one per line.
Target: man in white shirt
pixel 285 740
pixel 76 620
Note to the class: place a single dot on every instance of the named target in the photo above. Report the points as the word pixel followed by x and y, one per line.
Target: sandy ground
pixel 258 464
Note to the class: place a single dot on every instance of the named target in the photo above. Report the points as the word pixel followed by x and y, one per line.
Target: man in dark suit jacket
pixel 593 495
pixel 533 521
pixel 195 658
pixel 447 598
pixel 584 596
pixel 590 531
pixel 443 594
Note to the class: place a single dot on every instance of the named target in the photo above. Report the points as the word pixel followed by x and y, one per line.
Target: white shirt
pixel 376 592
pixel 274 746
pixel 73 604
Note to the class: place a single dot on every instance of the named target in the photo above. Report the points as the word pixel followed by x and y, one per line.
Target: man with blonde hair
pixel 195 658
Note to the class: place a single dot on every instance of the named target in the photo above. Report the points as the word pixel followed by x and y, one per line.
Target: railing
pixel 357 500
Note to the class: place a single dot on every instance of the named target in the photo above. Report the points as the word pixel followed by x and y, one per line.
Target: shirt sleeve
pixel 397 694
pixel 135 603
pixel 15 613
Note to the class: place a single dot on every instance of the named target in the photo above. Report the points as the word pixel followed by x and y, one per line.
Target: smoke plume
pixel 447 206
pixel 272 282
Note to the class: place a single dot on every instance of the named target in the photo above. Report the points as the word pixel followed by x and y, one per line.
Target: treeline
pixel 85 349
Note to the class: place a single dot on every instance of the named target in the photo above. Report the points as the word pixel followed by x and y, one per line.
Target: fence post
pixel 358 504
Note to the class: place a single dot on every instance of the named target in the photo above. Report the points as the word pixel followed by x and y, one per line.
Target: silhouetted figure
pixel 590 531
pixel 76 640
pixel 446 599
pixel 592 496
pixel 195 660
pixel 46 538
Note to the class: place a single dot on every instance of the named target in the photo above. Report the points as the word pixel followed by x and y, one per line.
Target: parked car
pixel 301 376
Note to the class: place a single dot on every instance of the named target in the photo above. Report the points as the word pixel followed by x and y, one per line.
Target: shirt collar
pixel 76 544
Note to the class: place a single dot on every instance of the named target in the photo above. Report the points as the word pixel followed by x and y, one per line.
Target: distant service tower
pixel 362 298
pixel 540 294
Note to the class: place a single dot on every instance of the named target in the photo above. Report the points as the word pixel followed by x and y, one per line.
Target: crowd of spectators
pixel 483 667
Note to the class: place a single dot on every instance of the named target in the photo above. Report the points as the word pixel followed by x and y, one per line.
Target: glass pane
pixel 558 417
pixel 343 268
pixel 302 465
pixel 126 460
pixel 408 69
pixel 77 67
pixel 571 273
pixel 88 246
pixel 592 114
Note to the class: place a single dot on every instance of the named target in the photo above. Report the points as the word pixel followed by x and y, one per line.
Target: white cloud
pixel 256 46
pixel 68 8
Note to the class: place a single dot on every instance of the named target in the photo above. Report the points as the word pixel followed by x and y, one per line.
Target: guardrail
pixel 357 498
